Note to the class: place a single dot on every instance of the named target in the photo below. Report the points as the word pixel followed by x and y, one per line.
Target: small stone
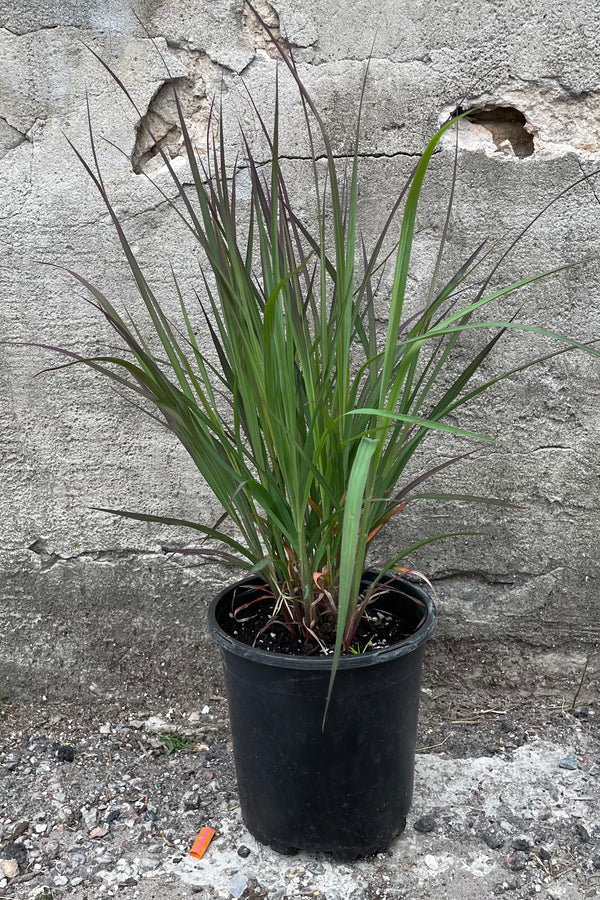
pixel 41 828
pixel 112 815
pixel 425 824
pixel 493 839
pixel 191 800
pixel 75 882
pixel 518 862
pixel 522 842
pixel 582 833
pixel 99 832
pixel 238 885
pixel 158 725
pixel 10 868
pixel 89 816
pixel 431 862
pixel 584 712
pixel 128 882
pixel 243 851
pixel 545 854
pixel 60 880
pixel 105 729
pixel 65 753
pixel 148 863
pixel 317 868
pixel 205 710
pixel 194 718
pixel 42 892
pixel 295 872
pixel 52 849
pixel 19 830
pixel 596 862
pixel 64 814
pixel 569 762
pixel 15 851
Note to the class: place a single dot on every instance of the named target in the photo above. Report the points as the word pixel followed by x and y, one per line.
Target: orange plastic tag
pixel 201 843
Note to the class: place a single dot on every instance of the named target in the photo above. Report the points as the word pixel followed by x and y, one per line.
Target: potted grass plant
pixel 304 420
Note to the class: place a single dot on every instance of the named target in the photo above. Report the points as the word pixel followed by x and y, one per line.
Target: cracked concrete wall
pixel 90 601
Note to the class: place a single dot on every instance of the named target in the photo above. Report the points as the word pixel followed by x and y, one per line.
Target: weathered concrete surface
pixel 528 788
pixel 69 444
pixel 506 798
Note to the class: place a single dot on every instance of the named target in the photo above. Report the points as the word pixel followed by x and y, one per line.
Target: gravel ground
pixel 105 800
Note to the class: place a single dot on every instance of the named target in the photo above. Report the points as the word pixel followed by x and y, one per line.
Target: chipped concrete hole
pixel 508 127
pixel 525 119
pixel 259 37
pixel 159 128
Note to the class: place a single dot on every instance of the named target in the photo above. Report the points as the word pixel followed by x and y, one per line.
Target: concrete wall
pixel 89 602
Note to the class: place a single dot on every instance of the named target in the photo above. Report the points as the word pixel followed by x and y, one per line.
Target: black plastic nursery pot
pixel 346 788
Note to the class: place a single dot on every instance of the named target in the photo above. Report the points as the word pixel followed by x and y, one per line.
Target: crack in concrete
pixel 550 84
pixel 32 30
pixel 514 579
pixel 191 48
pixel 11 137
pixel 383 60
pixel 372 154
pixel 49 559
pixel 186 182
pixel 14 128
pixel 159 127
pixel 553 447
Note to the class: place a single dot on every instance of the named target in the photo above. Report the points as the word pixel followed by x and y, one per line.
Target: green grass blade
pixel 416 420
pixel 350 549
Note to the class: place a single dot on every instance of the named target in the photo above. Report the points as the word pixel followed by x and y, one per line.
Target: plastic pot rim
pixel 289 661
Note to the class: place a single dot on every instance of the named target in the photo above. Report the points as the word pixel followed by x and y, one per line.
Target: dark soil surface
pixel 253 621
